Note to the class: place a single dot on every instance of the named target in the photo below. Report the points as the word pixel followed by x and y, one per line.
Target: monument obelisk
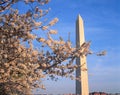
pixel 82 85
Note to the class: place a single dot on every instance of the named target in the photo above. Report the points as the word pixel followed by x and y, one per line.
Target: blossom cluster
pixel 22 66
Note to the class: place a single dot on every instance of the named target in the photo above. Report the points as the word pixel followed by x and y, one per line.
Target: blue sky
pixel 102 27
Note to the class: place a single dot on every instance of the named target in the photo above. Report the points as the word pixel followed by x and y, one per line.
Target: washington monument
pixel 82 85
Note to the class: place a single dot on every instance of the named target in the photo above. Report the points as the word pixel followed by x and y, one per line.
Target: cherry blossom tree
pixel 22 66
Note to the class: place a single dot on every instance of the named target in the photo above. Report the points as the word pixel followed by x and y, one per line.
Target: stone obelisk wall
pixel 82 85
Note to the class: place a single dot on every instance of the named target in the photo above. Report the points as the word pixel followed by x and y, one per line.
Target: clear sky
pixel 102 27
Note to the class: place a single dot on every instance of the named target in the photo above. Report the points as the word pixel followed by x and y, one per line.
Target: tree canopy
pixel 23 66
